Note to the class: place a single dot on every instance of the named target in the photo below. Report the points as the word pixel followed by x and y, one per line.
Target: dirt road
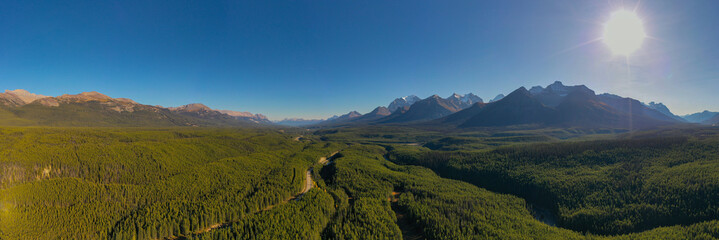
pixel 308 183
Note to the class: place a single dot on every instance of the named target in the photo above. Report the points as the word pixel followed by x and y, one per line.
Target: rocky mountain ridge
pixel 19 103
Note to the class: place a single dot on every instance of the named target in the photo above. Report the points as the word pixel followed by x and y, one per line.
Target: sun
pixel 624 32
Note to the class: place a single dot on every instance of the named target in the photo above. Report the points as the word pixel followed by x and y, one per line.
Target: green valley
pixel 224 183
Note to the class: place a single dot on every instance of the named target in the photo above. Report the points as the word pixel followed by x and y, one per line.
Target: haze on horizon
pixel 315 59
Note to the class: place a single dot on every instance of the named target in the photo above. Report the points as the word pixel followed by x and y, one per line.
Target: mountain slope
pixel 516 108
pixel 660 107
pixel 712 121
pixel 633 107
pixel 583 108
pixel 94 113
pixel 462 116
pixel 427 109
pixel 377 113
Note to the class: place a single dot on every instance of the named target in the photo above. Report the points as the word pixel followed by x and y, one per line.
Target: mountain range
pixel 553 105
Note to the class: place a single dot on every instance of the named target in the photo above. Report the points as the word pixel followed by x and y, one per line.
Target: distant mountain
pixel 20 107
pixel 18 97
pixel 714 121
pixel 377 113
pixel 246 115
pixel 536 90
pixel 660 107
pixel 201 111
pixel 298 122
pixel 350 115
pixel 433 107
pixel 463 101
pixel 341 119
pixel 497 98
pixel 553 94
pixel 700 117
pixel 471 99
pixel 402 102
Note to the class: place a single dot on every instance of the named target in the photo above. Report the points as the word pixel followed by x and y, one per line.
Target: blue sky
pixel 319 58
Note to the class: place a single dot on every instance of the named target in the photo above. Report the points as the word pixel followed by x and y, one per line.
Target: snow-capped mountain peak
pixel 497 98
pixel 402 102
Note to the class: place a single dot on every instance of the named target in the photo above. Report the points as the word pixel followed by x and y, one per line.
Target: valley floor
pixel 178 183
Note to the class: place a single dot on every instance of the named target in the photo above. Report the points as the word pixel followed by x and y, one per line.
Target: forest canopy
pixel 190 183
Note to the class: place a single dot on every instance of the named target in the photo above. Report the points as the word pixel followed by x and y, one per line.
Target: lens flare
pixel 624 32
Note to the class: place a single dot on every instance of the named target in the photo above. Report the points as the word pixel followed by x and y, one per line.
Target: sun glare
pixel 624 32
